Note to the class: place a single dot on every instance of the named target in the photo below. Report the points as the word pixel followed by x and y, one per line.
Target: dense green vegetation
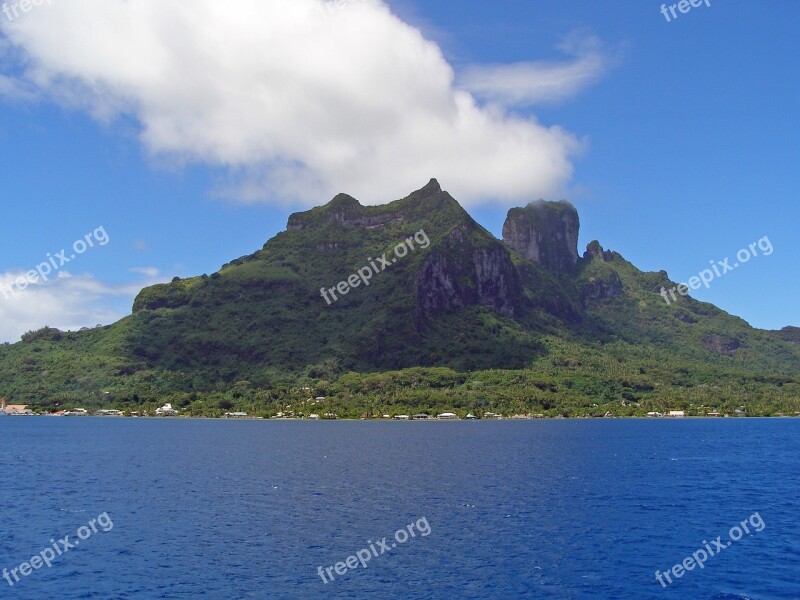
pixel 257 337
pixel 568 380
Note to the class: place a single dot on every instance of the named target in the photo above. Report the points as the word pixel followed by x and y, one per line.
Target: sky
pixel 149 139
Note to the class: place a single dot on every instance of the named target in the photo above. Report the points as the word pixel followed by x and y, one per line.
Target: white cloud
pixel 146 271
pixel 67 303
pixel 295 100
pixel 527 83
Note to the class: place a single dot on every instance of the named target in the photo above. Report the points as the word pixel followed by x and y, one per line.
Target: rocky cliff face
pixel 721 344
pixel 545 233
pixel 459 274
pixel 596 288
pixel 604 281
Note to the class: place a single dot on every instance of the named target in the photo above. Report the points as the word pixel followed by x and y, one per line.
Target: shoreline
pixel 301 420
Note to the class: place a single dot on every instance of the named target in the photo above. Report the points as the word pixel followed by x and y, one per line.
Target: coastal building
pixel 166 411
pixel 76 412
pixel 676 414
pixel 448 416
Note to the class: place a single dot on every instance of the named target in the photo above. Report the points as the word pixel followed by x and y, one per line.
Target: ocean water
pixel 511 509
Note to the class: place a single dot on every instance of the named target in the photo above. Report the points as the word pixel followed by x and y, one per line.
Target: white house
pixel 235 415
pixel 76 412
pixel 166 410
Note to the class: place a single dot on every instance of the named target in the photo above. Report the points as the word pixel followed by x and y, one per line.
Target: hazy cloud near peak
pixel 296 100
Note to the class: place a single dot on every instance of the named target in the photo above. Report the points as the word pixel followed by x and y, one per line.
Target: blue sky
pixel 679 143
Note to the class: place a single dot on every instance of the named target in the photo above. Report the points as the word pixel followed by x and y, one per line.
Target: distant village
pixel 23 410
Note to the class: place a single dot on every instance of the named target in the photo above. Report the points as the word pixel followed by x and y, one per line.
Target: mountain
pixel 349 293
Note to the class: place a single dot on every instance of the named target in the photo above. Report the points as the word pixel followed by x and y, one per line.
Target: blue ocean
pixel 552 509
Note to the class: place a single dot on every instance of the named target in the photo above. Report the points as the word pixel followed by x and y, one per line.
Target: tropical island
pixel 458 322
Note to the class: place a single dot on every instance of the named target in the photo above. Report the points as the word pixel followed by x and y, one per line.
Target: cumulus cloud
pixel 68 302
pixel 296 100
pixel 528 83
